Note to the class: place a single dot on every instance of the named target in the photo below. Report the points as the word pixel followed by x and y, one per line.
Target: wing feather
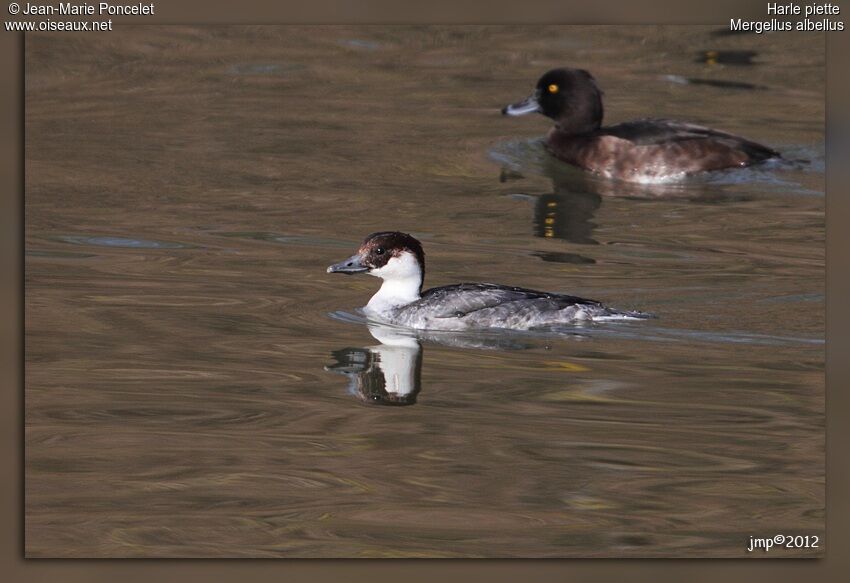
pixel 653 132
pixel 458 301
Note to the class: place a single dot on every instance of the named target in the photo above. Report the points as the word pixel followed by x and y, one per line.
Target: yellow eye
pixel 553 88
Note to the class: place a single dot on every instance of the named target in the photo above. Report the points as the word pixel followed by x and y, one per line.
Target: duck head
pixel 397 258
pixel 568 96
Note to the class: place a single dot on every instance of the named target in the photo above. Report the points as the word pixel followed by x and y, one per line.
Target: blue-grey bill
pixel 348 266
pixel 528 105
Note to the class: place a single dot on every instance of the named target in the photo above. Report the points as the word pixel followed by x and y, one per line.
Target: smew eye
pixel 379 251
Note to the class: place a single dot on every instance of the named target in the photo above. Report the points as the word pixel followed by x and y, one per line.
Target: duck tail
pixel 627 315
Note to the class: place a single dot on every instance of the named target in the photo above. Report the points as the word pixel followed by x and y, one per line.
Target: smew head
pixel 390 255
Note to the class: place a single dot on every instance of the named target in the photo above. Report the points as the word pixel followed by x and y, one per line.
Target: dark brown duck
pixel 644 150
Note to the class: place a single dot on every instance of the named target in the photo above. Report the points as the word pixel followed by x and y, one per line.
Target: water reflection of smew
pixel 390 373
pixel 385 374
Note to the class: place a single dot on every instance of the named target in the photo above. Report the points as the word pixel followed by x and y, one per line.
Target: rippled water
pixel 197 385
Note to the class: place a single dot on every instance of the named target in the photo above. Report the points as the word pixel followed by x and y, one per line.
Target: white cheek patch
pixel 402 266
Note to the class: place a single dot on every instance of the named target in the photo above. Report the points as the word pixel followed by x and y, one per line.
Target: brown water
pixel 187 187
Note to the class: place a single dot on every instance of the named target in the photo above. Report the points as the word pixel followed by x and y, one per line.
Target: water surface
pixel 197 385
